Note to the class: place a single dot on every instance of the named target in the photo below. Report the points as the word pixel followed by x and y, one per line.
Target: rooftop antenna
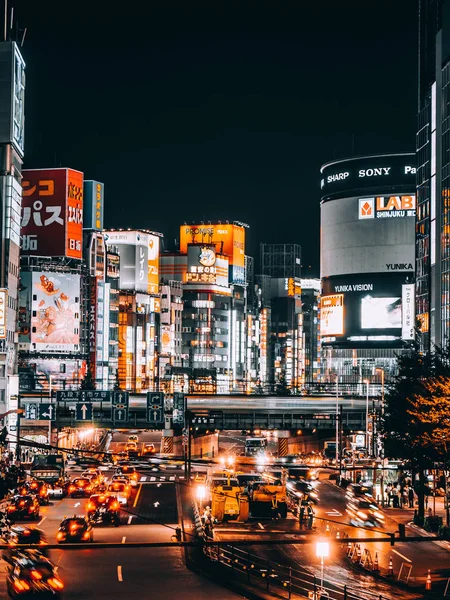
pixel 11 21
pixel 6 20
pixel 23 37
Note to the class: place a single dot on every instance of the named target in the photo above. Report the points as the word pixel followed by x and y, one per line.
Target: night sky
pixel 193 111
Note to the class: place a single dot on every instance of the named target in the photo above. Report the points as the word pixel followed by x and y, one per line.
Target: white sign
pixel 3 311
pixel 332 315
pixel 408 310
pixel 387 207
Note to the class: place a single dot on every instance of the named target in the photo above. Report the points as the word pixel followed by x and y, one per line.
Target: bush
pixel 418 520
pixel 444 531
pixel 432 524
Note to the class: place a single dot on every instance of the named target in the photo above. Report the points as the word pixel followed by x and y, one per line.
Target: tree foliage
pixel 88 382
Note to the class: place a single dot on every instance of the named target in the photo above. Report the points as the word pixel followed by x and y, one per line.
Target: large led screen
pixel 358 310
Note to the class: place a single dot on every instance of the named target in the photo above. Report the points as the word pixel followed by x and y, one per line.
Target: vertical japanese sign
pixel 93 205
pixel 153 264
pixel 3 311
pixel 408 311
pixel 93 328
pixel 52 213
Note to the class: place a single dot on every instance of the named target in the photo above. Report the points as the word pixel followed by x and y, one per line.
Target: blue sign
pixel 179 405
pixel 46 412
pixel 120 413
pixel 155 399
pixel 155 415
pixel 84 411
pixel 120 398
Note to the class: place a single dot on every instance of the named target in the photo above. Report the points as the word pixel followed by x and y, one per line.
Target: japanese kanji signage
pixel 3 312
pixel 52 212
pixel 93 205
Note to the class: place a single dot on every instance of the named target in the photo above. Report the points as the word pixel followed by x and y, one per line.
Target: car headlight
pixel 362 515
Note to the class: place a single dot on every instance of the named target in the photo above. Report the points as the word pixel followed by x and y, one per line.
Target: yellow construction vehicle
pixel 227 500
pixel 268 499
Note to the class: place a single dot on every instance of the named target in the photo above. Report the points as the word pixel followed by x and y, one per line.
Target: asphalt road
pixel 137 573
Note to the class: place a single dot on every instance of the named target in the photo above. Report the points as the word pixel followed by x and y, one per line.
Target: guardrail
pixel 282 580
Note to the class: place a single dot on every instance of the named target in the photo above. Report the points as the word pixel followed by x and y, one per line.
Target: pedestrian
pixel 388 494
pixel 301 513
pixel 405 496
pixel 394 497
pixel 399 497
pixel 310 513
pixel 411 496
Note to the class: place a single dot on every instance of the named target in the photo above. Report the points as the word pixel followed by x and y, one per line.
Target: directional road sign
pixel 31 411
pixel 118 398
pixel 84 411
pixel 120 413
pixel 155 415
pixel 46 412
pixel 179 407
pixel 155 407
pixel 83 395
pixel 155 399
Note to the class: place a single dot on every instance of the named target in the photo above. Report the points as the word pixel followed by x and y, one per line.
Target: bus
pixel 255 445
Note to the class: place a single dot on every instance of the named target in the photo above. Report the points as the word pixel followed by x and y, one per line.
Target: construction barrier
pixel 283 446
pixel 428 582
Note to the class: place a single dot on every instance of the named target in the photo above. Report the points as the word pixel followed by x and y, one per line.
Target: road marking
pixel 137 496
pixel 144 478
pixel 77 504
pixel 119 573
pixel 42 520
pixel 123 539
pixel 156 504
pixel 172 478
pixel 402 556
pixel 129 519
pixel 334 513
pixel 261 525
pixel 152 478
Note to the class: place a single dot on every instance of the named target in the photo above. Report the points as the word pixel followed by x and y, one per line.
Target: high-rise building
pixel 367 259
pixel 311 331
pixel 12 97
pixel 282 367
pixel 433 174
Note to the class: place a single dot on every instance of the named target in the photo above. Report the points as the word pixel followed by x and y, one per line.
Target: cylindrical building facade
pixel 368 209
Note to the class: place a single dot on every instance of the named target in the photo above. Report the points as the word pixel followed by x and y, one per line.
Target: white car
pixel 121 491
pixel 55 491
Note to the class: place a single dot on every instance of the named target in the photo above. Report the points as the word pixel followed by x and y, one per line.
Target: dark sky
pixel 191 110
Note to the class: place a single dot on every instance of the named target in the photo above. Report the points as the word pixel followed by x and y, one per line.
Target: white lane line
pixel 172 478
pixel 261 525
pixel 144 478
pixel 152 478
pixel 123 539
pixel 402 556
pixel 42 520
pixel 129 519
pixel 119 573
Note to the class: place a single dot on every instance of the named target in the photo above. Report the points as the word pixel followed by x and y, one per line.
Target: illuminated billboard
pixel 332 315
pixel 52 213
pixel 206 269
pixel 139 260
pixel 93 205
pixel 227 238
pixel 55 312
pixel 3 312
pixel 360 309
pixel 387 207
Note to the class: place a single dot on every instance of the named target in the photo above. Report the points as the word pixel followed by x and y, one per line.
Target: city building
pixel 12 98
pixel 310 296
pixel 139 305
pixel 367 260
pixel 433 175
pixel 281 319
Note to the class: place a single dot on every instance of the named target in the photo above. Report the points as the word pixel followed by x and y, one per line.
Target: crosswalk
pixel 144 478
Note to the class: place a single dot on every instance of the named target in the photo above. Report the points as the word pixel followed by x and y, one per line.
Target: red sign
pixel 52 213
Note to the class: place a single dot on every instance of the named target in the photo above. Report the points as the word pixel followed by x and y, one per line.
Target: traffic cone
pixel 327 530
pixel 376 566
pixel 391 568
pixel 428 582
pixel 349 548
pixel 338 535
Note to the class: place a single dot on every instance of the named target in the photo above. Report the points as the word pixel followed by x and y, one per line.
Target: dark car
pixel 31 575
pixel 103 508
pixel 75 529
pixel 40 488
pixel 80 486
pixel 23 507
pixel 21 534
pixel 303 490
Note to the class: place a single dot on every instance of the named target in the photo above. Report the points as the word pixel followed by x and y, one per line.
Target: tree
pixel 281 387
pixel 412 411
pixel 88 383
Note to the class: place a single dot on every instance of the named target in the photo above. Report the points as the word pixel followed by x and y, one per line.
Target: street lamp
pixel 201 495
pixel 322 551
pixel 367 382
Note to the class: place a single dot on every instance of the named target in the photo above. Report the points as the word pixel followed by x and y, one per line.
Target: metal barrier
pixel 284 581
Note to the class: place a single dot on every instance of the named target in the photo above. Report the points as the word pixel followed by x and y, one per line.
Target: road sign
pixel 31 411
pixel 46 412
pixel 68 395
pixel 155 399
pixel 120 412
pixel 84 411
pixel 83 395
pixel 179 408
pixel 120 398
pixel 155 415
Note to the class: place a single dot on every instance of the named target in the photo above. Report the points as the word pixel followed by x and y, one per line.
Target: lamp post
pixel 366 381
pixel 322 551
pixel 337 420
pixel 201 495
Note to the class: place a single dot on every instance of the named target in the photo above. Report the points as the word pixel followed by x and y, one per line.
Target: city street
pixel 128 572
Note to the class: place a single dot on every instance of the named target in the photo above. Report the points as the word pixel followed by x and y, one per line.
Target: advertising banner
pixel 153 264
pixel 205 268
pixel 332 315
pixel 55 305
pixel 227 238
pixel 387 207
pixel 93 327
pixel 67 373
pixel 52 213
pixel 408 310
pixel 93 205
pixel 3 312
pixel 375 309
pixel 166 339
pixel 25 294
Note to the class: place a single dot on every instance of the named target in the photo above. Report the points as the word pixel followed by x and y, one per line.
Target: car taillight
pixel 55 583
pixel 11 508
pixel 86 535
pixel 115 505
pixel 21 585
pixel 35 574
pixel 22 503
pixel 71 488
pixel 59 535
pixel 91 506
